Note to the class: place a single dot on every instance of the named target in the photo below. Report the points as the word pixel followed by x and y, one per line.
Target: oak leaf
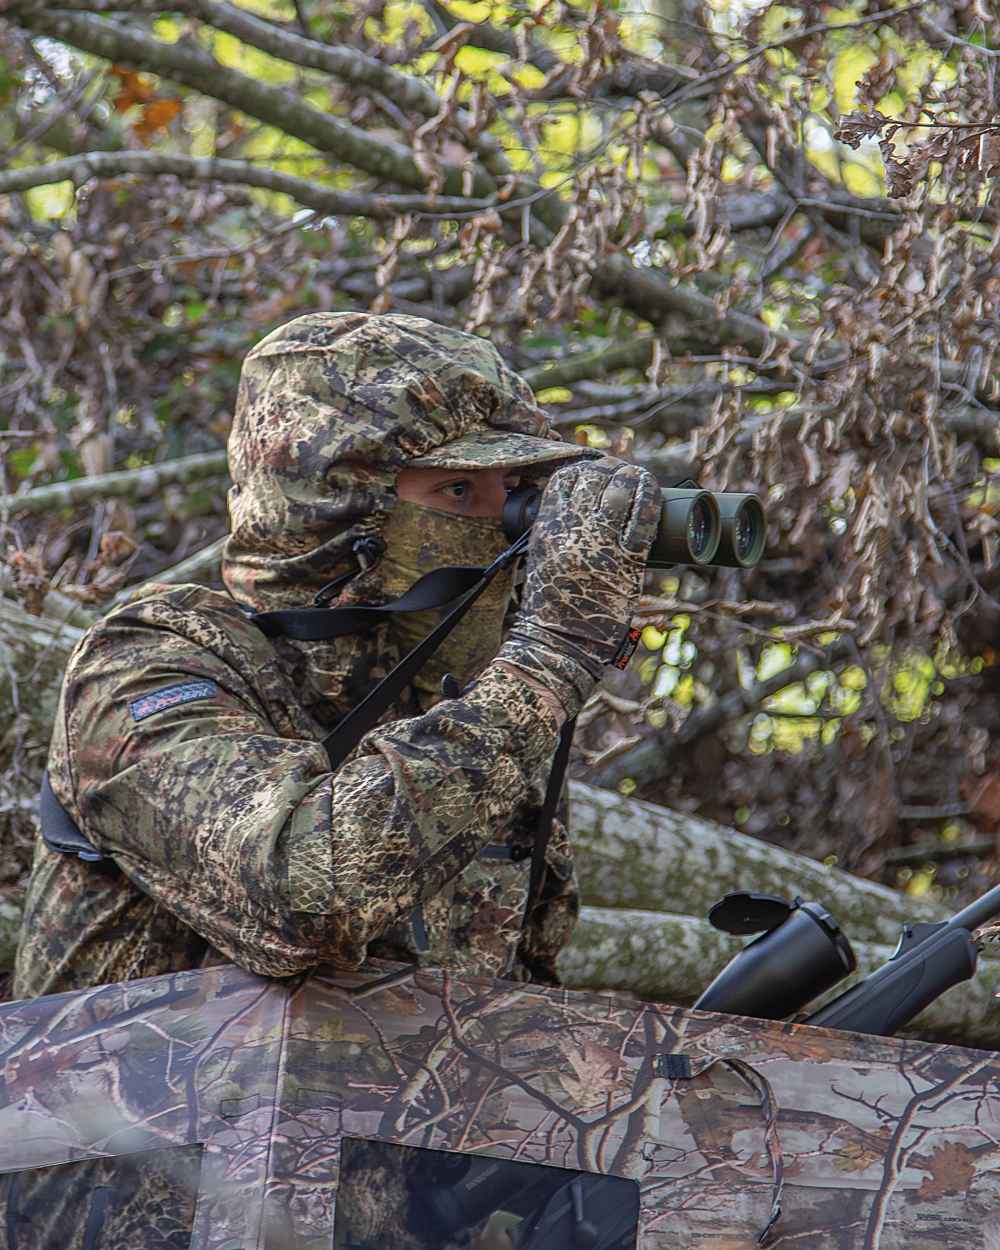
pixel 951 1170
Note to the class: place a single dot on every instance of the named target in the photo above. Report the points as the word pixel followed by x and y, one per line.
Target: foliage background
pixel 756 243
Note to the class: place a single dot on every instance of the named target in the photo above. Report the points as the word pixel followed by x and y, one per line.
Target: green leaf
pixel 22 461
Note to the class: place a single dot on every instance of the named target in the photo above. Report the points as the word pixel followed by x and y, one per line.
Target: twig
pixel 195 68
pixel 203 563
pixel 939 854
pixel 648 758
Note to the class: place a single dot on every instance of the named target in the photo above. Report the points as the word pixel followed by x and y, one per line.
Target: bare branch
pixel 646 759
pixel 695 88
pixel 203 564
pixel 346 64
pixel 78 169
pixel 129 484
pixel 195 68
pixel 493 39
pixel 635 354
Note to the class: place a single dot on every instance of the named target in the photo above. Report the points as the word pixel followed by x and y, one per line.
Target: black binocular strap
pixel 321 624
pixel 433 590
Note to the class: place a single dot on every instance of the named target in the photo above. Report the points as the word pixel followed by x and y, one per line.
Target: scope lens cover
pixel 743 913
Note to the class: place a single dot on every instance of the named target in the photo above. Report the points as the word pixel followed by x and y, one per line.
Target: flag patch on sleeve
pixel 171 696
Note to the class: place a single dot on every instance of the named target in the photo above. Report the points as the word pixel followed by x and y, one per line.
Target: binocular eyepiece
pixel 696 526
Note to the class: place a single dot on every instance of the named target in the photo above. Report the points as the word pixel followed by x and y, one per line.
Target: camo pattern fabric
pixel 330 408
pixel 586 562
pixel 187 745
pixel 418 541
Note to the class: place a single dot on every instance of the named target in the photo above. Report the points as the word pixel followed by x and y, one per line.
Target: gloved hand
pixel 586 561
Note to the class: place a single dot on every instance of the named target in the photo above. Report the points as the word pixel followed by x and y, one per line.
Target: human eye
pixel 459 490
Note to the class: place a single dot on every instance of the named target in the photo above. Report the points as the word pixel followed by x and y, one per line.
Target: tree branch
pixel 130 483
pixel 492 39
pixel 195 68
pixel 346 64
pixel 78 169
pixel 650 756
pixel 635 354
pixel 203 563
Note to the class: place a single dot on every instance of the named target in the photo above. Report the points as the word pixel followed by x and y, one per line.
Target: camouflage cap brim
pixel 487 449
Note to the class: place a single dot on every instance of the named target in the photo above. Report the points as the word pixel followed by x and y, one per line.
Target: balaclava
pixel 331 406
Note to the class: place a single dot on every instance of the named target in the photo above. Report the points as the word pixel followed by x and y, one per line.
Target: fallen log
pixel 671 959
pixel 637 855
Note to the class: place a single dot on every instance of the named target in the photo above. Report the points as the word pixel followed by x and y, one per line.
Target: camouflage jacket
pixel 184 750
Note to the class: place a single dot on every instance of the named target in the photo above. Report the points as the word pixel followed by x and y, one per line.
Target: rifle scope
pixel 696 526
pixel 800 954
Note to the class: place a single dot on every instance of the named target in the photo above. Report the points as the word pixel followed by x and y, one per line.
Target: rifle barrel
pixel 978 912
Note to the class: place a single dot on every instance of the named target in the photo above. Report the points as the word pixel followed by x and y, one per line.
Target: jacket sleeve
pixel 241 831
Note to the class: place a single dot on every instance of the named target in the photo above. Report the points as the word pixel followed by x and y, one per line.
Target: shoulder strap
pixel 345 736
pixel 546 815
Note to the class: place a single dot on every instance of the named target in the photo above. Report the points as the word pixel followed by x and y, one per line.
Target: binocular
pixel 696 526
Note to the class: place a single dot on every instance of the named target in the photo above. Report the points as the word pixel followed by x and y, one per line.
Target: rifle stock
pixel 930 959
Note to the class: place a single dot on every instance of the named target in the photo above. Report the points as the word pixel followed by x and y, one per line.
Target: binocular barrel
pixel 696 526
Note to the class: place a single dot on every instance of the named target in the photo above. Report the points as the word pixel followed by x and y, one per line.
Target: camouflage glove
pixel 586 561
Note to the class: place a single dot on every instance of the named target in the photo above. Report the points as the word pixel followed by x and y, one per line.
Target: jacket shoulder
pixel 189 614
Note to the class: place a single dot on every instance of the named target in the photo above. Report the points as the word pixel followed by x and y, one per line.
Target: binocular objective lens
pixel 745 534
pixel 699 528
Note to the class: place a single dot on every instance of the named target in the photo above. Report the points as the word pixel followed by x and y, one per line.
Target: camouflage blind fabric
pixel 187 745
pixel 269 1116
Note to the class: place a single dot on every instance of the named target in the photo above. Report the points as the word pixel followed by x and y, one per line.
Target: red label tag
pixel 627 648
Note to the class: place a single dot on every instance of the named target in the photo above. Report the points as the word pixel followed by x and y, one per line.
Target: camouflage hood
pixel 330 408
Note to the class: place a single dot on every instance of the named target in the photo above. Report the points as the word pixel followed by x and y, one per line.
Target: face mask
pixel 419 540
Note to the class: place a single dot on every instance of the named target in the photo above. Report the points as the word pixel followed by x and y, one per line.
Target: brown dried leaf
pixel 854 127
pixel 951 1168
pixel 156 116
pixel 133 88
pixel 30 582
